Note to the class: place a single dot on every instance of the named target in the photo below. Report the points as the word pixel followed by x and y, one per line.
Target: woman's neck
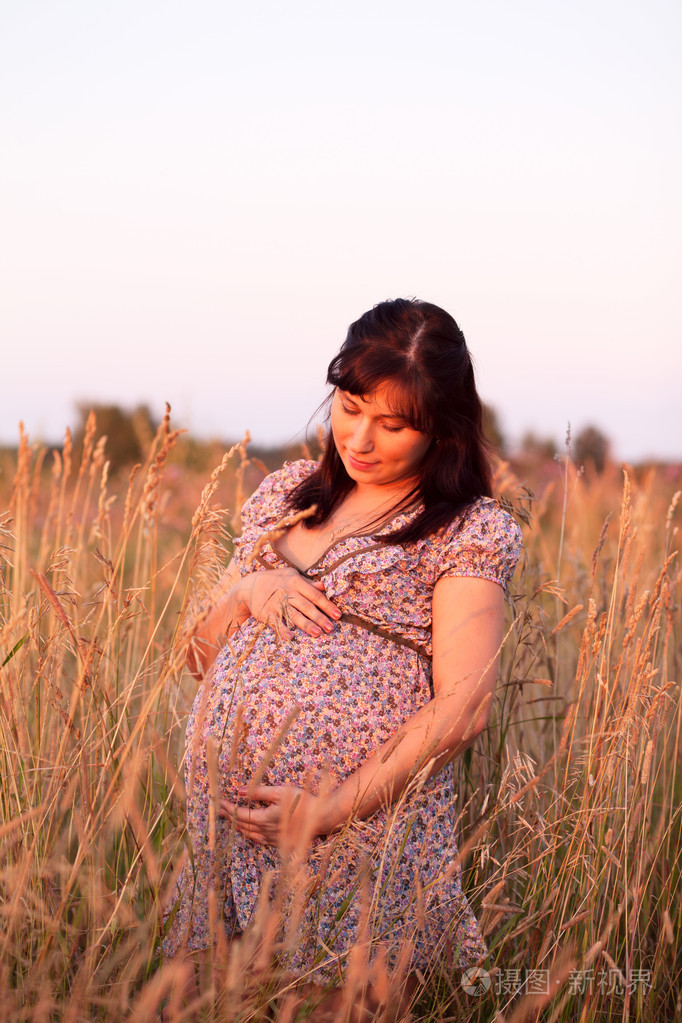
pixel 363 511
pixel 378 496
pixel 367 507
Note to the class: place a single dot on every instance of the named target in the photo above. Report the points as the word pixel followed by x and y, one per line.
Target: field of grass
pixel 570 819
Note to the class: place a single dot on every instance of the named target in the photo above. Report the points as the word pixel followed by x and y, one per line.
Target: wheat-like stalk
pixel 569 806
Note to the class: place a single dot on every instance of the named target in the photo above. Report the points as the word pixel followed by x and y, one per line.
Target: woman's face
pixel 376 447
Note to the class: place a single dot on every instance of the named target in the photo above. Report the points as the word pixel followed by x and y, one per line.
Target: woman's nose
pixel 362 440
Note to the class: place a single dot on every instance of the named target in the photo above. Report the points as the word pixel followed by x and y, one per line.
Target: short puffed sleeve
pixel 485 542
pixel 268 504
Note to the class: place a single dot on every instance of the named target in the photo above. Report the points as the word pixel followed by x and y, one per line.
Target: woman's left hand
pixel 292 818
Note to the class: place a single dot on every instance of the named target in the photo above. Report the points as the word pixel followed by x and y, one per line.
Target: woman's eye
pixel 393 429
pixel 349 411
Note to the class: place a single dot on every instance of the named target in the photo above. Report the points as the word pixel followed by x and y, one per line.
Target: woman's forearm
pixel 224 611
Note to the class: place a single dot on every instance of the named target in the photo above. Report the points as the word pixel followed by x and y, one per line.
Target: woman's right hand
pixel 283 598
pixel 280 597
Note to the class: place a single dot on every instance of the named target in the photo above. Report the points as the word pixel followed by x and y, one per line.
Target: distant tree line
pixel 129 433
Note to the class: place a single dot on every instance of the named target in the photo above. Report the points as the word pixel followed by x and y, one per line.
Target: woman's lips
pixel 357 464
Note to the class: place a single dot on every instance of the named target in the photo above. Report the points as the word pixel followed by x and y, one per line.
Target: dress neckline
pixel 342 539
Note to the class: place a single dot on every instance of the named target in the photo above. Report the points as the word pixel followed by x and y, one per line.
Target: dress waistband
pixel 362 623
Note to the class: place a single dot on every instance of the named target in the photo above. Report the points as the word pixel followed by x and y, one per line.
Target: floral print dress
pixel 393 879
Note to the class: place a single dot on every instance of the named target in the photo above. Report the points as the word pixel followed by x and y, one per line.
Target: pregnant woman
pixel 347 659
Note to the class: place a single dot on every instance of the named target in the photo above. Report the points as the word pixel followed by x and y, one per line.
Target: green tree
pixel 493 429
pixel 537 449
pixel 129 433
pixel 591 446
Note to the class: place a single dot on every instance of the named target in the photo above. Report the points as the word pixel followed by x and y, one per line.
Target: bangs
pixel 406 392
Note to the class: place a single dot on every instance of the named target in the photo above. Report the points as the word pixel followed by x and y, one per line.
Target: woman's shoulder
pixel 268 503
pixel 484 541
pixel 487 517
pixel 284 480
pixel 484 517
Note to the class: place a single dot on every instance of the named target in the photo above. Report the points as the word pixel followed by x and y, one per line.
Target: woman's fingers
pixel 314 607
pixel 288 598
pixel 287 821
pixel 270 794
pixel 307 616
pixel 241 814
pixel 265 793
pixel 284 597
pixel 315 593
pixel 254 835
pixel 261 824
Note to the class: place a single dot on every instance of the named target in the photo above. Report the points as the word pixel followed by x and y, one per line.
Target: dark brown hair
pixel 418 349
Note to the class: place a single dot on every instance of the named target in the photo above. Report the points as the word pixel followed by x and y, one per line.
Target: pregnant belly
pixel 289 712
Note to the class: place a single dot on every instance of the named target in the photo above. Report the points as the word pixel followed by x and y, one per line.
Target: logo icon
pixel 476 981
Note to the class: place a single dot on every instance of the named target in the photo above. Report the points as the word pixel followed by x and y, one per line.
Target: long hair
pixel 420 352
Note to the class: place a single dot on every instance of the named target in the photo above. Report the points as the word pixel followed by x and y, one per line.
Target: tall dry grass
pixel 569 805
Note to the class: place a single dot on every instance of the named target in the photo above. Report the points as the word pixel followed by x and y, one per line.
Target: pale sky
pixel 196 199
